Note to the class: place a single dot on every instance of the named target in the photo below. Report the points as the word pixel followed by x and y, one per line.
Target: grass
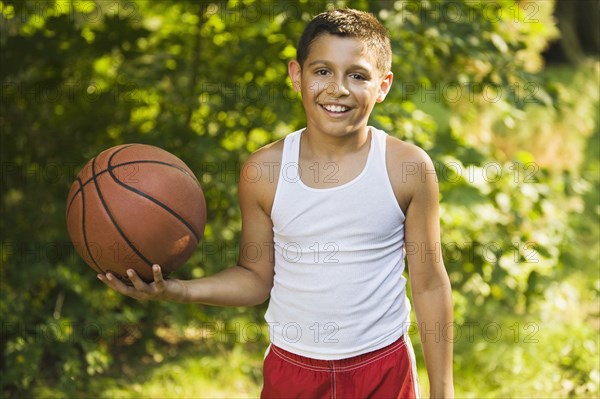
pixel 202 369
pixel 228 373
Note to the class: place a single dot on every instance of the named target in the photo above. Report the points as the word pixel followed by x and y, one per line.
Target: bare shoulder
pixel 410 170
pixel 269 153
pixel 259 175
pixel 400 152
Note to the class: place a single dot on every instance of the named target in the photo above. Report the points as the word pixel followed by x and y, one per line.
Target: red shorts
pixel 385 373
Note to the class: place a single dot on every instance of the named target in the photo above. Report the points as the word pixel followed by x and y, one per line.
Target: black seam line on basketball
pixel 81 186
pixel 157 202
pixel 138 253
pixel 85 240
pixel 134 162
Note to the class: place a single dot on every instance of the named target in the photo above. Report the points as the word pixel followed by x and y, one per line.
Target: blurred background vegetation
pixel 502 94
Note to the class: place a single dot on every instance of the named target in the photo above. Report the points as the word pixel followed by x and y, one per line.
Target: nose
pixel 337 88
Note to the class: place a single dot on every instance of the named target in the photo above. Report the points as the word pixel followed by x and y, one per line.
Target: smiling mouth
pixel 337 109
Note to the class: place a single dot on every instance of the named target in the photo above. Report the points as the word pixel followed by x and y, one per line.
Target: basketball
pixel 133 206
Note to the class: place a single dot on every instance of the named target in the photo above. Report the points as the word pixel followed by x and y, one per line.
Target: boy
pixel 336 203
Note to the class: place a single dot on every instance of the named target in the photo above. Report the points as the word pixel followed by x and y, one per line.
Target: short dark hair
pixel 361 25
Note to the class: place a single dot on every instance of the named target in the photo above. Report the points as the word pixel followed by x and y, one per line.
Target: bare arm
pixel 432 296
pixel 415 185
pixel 245 284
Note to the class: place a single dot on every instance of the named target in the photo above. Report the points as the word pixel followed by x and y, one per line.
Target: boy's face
pixel 340 84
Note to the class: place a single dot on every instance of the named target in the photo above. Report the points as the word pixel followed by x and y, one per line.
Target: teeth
pixel 335 108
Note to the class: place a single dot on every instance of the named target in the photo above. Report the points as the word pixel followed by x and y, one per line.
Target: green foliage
pixel 207 81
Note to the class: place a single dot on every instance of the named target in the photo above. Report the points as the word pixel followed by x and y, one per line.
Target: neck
pixel 318 144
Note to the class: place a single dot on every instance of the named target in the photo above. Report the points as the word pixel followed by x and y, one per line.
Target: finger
pixel 137 282
pixel 159 281
pixel 116 284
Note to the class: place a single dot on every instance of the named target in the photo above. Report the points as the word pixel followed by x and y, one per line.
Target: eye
pixel 321 72
pixel 357 76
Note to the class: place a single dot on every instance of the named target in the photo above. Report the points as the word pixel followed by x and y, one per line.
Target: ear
pixel 385 86
pixel 295 72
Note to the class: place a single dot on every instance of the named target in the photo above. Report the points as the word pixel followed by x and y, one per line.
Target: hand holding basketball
pixel 159 289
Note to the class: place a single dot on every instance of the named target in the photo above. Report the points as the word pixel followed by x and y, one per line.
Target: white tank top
pixel 338 288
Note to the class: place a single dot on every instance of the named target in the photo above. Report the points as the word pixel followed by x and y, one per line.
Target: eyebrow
pixel 353 66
